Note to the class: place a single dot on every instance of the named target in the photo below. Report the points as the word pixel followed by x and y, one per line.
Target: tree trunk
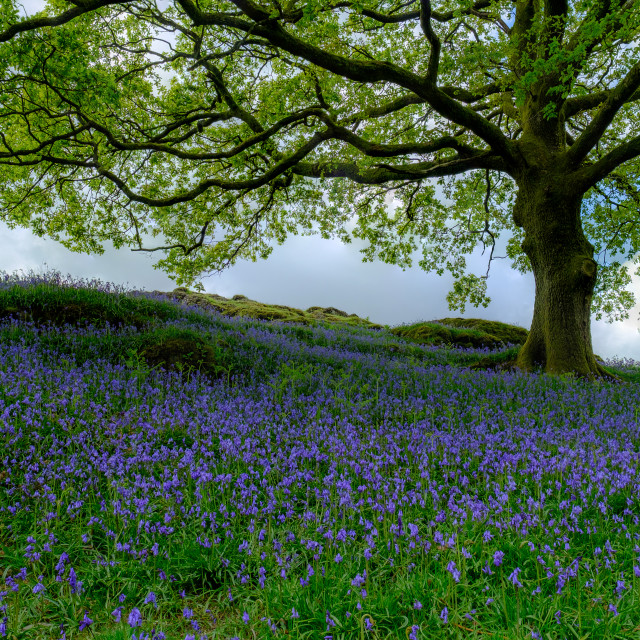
pixel 559 340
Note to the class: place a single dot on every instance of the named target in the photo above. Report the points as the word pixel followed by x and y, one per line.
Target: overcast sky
pixel 308 271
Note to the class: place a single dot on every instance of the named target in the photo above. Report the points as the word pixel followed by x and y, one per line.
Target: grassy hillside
pixel 188 466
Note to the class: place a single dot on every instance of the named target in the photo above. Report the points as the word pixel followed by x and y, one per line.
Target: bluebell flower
pixel 74 583
pixel 514 577
pixel 329 620
pixel 38 588
pixel 151 597
pixel 135 618
pixel 85 622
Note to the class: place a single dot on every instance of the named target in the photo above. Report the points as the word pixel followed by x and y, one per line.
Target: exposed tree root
pixel 607 375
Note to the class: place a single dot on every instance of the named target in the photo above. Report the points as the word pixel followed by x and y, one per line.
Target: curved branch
pixel 414 15
pixel 555 20
pixel 274 172
pixel 392 150
pixel 617 97
pixel 37 22
pixel 574 106
pixel 15 153
pixel 457 93
pixel 589 176
pixel 434 57
pixel 357 70
pixel 384 172
pixel 522 36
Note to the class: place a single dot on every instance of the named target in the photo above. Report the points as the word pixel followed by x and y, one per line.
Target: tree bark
pixel 565 272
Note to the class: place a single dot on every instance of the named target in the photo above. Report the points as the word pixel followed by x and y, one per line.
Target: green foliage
pixel 256 127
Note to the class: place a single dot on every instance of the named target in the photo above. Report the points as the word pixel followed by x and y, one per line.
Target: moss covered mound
pixel 463 333
pixel 469 333
pixel 240 305
pixel 504 332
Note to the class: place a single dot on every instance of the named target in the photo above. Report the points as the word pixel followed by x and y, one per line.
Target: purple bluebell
pixel 135 618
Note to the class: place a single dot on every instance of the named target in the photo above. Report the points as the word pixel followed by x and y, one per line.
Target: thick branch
pixel 37 22
pixel 357 70
pixel 555 15
pixel 457 93
pixel 414 15
pixel 392 150
pixel 522 35
pixel 384 173
pixel 15 153
pixel 589 176
pixel 393 18
pixel 573 106
pixel 592 133
pixel 434 57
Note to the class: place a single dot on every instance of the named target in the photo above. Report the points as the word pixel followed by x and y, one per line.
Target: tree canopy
pixel 224 125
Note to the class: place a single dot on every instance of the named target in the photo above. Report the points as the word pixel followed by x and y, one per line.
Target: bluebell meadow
pixel 321 485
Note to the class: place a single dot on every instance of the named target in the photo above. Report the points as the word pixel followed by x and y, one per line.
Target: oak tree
pixel 223 125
